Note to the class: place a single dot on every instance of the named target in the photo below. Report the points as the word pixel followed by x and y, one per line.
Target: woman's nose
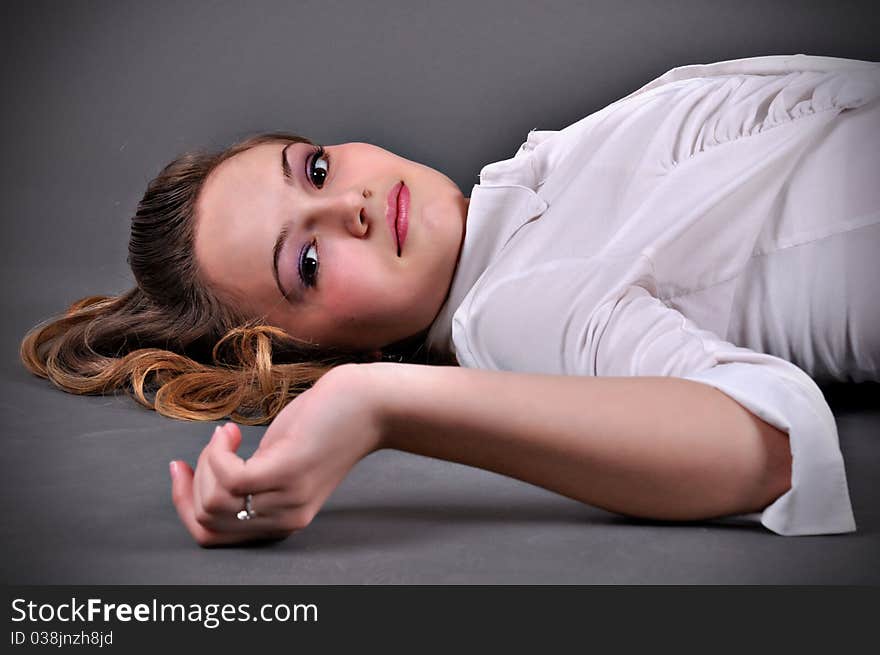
pixel 346 209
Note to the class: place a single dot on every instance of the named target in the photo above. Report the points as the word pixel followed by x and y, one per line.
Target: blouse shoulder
pixel 765 65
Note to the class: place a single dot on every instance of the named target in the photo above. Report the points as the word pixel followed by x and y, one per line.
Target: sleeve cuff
pixel 818 501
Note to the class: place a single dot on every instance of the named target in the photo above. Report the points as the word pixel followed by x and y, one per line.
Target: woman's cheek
pixel 349 292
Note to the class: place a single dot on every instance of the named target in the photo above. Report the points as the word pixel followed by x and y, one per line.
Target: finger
pixel 182 495
pixel 237 476
pixel 215 507
pixel 203 479
pixel 182 486
pixel 231 436
pixel 270 511
pixel 209 497
pixel 220 469
pixel 211 494
pixel 271 503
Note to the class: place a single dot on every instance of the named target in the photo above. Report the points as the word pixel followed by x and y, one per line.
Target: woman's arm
pixel 657 447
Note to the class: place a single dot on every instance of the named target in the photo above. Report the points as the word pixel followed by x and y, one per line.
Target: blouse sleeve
pixel 642 336
pixel 540 323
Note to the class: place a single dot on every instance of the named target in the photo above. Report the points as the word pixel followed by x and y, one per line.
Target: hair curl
pixel 170 342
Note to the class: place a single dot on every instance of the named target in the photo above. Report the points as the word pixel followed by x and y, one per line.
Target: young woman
pixel 636 303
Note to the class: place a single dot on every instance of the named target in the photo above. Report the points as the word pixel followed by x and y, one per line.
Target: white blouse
pixel 716 225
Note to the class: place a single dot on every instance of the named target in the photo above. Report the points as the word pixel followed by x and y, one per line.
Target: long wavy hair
pixel 170 342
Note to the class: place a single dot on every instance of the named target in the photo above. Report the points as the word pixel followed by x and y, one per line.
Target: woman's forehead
pixel 258 165
pixel 237 217
pixel 243 188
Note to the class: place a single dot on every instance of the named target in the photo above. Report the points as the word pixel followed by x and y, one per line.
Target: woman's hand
pixel 305 453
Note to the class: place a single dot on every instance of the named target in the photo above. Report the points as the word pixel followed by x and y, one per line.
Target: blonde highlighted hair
pixel 170 342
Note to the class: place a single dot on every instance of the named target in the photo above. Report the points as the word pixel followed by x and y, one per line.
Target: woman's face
pixel 313 251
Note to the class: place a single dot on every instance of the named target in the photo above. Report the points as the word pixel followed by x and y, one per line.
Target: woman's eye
pixel 308 265
pixel 319 165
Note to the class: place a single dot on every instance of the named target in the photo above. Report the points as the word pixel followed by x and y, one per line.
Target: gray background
pixel 98 96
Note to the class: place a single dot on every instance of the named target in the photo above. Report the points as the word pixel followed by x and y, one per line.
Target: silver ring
pixel 247 513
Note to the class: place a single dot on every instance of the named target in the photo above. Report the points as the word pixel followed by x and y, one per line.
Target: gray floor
pixel 86 499
pixel 99 95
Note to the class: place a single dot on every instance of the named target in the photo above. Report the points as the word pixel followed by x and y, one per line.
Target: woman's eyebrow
pixel 285 167
pixel 276 252
pixel 294 296
pixel 286 171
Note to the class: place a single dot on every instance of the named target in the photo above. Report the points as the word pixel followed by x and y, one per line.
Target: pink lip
pixel 397 213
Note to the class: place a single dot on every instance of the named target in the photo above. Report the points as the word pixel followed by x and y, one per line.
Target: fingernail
pixel 172 468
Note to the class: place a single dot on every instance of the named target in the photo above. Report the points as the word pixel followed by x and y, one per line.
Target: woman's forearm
pixel 658 447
